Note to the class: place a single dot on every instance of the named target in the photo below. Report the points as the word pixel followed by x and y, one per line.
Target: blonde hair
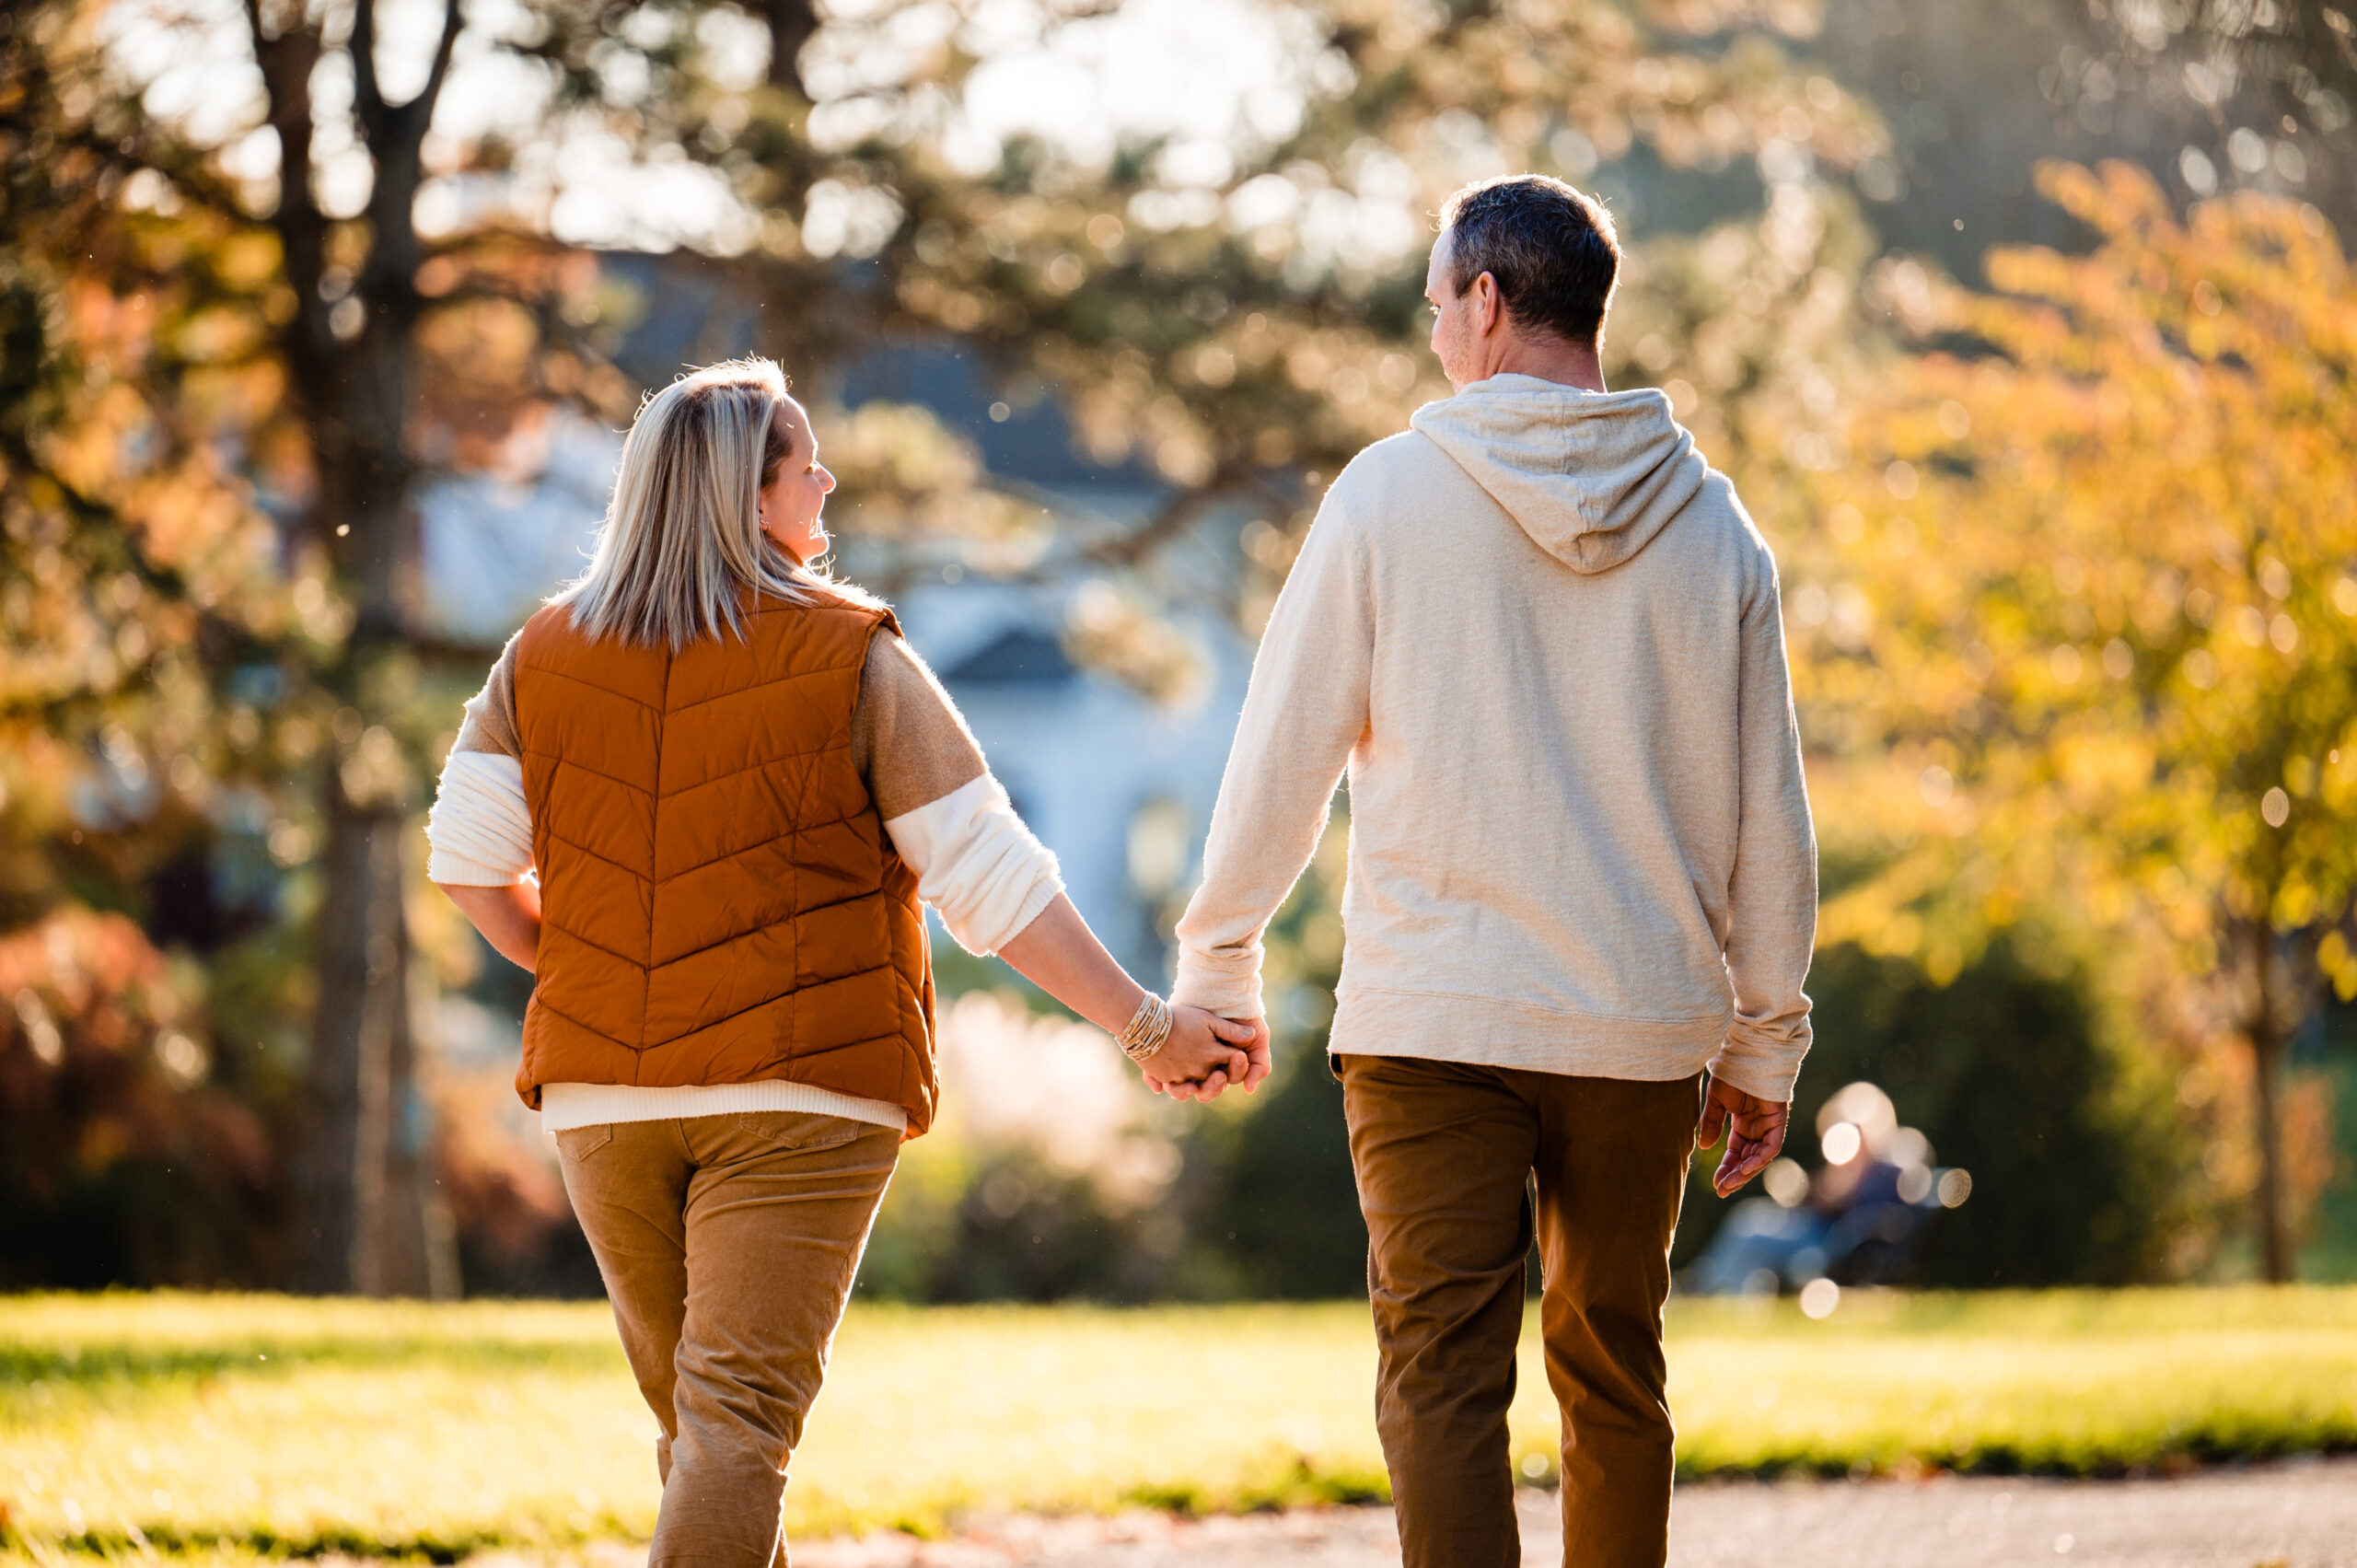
pixel 683 551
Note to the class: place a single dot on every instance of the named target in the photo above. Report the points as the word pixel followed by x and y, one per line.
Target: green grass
pixel 2331 1249
pixel 232 1426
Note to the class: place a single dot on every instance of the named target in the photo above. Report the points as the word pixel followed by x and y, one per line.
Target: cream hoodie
pixel 1544 637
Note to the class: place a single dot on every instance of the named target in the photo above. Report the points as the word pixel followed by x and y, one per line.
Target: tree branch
pixel 1167 523
pixel 368 97
pixel 422 106
pixel 286 63
pixel 791 23
pixel 384 122
pixel 253 28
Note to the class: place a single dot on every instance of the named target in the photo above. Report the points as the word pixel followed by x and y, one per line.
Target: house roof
pixel 1020 655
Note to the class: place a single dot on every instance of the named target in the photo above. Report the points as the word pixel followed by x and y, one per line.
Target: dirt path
pixel 2297 1515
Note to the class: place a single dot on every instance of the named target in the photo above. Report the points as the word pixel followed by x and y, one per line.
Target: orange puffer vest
pixel 718 902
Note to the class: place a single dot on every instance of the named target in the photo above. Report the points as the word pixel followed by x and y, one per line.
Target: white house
pixel 1119 787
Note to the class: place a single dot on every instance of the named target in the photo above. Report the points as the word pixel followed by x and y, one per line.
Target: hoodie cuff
pixel 1228 985
pixel 1770 1079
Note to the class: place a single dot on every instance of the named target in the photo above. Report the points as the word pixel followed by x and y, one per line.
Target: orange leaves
pixel 113 329
pixel 95 974
pixel 99 1065
pixel 2118 198
pixel 2130 646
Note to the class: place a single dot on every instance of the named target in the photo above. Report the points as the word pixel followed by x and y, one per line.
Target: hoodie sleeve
pixel 1771 926
pixel 1304 710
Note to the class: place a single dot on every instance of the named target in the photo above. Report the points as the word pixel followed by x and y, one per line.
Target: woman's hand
pixel 1206 1053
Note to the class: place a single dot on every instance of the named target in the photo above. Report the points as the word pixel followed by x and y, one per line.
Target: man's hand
pixel 1206 1053
pixel 1754 1129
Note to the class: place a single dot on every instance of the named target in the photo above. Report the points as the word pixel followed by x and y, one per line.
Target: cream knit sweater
pixel 1543 637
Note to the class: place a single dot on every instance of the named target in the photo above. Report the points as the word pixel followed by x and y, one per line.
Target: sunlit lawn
pixel 266 1425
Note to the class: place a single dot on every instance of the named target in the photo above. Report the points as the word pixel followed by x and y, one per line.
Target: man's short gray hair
pixel 1551 250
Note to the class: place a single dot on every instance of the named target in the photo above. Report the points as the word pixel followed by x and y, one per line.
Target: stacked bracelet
pixel 1149 1027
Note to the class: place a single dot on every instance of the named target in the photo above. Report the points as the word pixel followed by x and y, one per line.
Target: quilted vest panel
pixel 719 903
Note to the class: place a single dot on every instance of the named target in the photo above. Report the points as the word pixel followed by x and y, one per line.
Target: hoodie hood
pixel 1590 476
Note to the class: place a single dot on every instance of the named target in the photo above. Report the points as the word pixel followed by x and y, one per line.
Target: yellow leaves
pixel 2298 902
pixel 2036 272
pixel 908 478
pixel 221 333
pixel 2339 962
pixel 2132 582
pixel 484 346
pixel 2117 198
pixel 898 445
pixel 93 452
pixel 248 260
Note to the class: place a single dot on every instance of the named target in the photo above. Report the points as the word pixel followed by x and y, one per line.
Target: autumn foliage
pixel 2080 633
pixel 117 1161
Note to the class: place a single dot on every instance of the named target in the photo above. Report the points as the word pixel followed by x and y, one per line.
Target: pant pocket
pixel 577 1144
pixel 806 1131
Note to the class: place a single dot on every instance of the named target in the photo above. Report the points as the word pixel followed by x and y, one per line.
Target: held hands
pixel 1206 1053
pixel 1755 1134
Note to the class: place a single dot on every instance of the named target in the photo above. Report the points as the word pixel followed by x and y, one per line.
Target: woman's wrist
pixel 1147 1029
pixel 1116 1016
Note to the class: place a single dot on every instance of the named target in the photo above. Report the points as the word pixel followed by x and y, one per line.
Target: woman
pixel 737 786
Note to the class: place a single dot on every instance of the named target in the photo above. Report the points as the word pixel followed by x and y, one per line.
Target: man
pixel 1544 638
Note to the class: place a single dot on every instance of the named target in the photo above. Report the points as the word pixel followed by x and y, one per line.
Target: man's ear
pixel 1491 302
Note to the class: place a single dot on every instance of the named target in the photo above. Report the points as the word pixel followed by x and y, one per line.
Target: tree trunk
pixel 2276 1262
pixel 369 1224
pixel 370 1218
pixel 373 1225
pixel 2268 1043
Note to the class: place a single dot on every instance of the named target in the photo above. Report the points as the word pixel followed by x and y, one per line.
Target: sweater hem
pixel 1491 1032
pixel 567 1106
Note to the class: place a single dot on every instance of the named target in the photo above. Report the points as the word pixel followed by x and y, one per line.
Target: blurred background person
pixel 1869 1217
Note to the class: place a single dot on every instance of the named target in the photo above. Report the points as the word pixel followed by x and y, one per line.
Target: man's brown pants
pixel 728 1245
pixel 1444 1154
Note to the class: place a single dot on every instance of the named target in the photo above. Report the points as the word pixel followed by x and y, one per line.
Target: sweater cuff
pixel 1228 983
pixel 1769 1078
pixel 447 869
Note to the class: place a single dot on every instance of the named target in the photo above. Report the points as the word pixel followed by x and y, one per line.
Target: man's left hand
pixel 1256 1066
pixel 1754 1129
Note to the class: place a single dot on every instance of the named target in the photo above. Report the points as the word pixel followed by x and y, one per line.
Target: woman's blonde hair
pixel 682 548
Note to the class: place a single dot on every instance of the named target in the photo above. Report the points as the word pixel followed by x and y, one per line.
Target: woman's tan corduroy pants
pixel 729 1245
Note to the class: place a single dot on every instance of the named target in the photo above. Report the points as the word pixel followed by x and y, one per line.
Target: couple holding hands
pixel 1538 633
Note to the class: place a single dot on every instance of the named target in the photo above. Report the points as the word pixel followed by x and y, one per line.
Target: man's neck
pixel 1549 359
